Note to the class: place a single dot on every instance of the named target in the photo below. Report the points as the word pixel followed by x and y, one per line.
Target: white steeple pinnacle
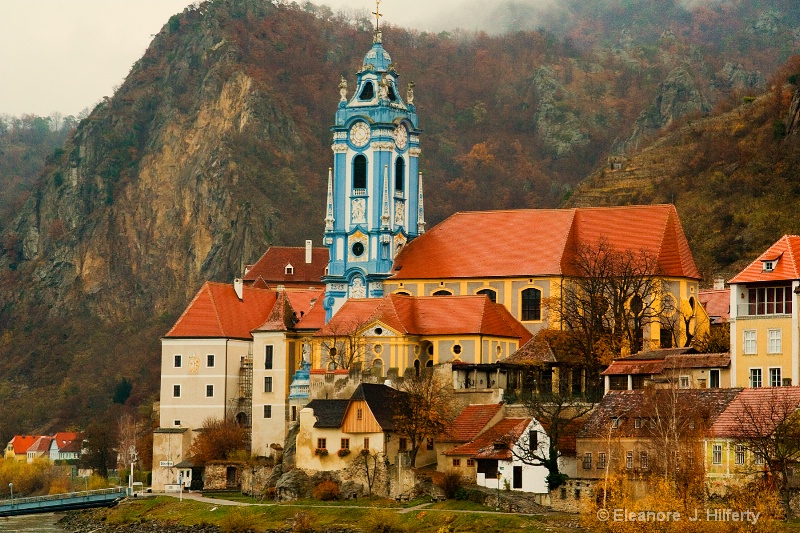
pixel 420 209
pixel 385 215
pixel 329 220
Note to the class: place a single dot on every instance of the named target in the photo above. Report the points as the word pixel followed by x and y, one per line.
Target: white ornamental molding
pixel 415 138
pixel 375 286
pixel 340 136
pixel 341 287
pixel 339 148
pixel 387 146
pixel 384 133
pixel 414 152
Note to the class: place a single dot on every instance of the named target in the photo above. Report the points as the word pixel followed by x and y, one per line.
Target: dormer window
pixel 368 92
pixel 289 270
pixel 769 266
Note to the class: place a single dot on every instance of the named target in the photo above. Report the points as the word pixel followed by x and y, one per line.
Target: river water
pixel 32 523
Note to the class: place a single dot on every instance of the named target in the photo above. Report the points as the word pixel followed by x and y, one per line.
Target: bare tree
pixel 424 410
pixel 559 414
pixel 344 344
pixel 369 466
pixel 611 298
pixel 767 423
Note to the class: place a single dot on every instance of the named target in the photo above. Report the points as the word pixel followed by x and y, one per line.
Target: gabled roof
pixel 787 253
pixel 41 445
pixel 381 400
pixel 428 315
pixel 21 443
pixel 63 438
pixel 74 446
pixel 270 269
pixel 700 405
pixel 542 242
pixel 657 361
pixel 548 346
pixel 495 442
pixel 470 422
pixel 717 303
pixel 217 312
pixel 329 413
pixel 759 410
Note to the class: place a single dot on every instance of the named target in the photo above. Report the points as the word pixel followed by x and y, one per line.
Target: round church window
pixel 358 249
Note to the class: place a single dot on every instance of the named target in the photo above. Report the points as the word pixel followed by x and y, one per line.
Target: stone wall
pixel 573 496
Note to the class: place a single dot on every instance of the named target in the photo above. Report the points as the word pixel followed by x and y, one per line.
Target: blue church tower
pixel 374 204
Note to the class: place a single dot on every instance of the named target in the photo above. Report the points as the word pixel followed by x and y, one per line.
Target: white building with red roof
pixel 765 329
pixel 232 352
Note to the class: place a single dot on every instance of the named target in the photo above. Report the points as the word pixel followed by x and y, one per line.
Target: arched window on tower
pixel 531 304
pixel 399 174
pixel 360 173
pixel 368 92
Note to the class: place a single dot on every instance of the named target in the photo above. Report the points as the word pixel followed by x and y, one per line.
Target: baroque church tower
pixel 374 203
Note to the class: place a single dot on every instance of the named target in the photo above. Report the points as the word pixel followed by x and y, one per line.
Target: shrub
pixel 461 494
pixel 302 523
pixel 383 521
pixel 450 483
pixel 343 452
pixel 237 521
pixel 326 490
pixel 322 452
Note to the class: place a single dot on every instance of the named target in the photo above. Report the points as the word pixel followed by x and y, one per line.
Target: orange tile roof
pixel 21 443
pixel 495 442
pixel 41 445
pixel 717 304
pixel 270 269
pixel 533 242
pixel 308 306
pixel 786 251
pixel 63 438
pixel 429 315
pixel 757 412
pixel 470 422
pixel 216 312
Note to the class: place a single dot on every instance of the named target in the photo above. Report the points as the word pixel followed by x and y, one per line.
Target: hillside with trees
pixel 217 145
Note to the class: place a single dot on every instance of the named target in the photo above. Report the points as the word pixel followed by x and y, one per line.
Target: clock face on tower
pixel 359 134
pixel 400 137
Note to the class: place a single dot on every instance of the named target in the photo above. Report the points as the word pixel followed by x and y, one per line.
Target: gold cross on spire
pixel 378 15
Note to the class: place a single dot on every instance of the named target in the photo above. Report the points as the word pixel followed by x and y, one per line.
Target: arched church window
pixel 490 293
pixel 442 293
pixel 399 174
pixel 391 93
pixel 360 172
pixel 531 304
pixel 368 92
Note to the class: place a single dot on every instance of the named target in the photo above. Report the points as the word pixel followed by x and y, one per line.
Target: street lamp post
pixel 497 506
pixel 86 479
pixel 11 488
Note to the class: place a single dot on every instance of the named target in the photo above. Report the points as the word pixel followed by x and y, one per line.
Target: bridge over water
pixel 62 502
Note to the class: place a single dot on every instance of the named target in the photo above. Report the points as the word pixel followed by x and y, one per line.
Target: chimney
pixel 238 286
pixel 719 284
pixel 308 251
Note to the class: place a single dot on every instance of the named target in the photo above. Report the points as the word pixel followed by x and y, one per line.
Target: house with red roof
pixel 400 333
pixel 233 352
pixel 289 267
pixel 764 320
pixel 669 368
pixel 66 445
pixel 754 434
pixel 519 258
pixel 17 447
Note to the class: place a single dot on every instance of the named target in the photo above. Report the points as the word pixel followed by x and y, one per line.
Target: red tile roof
pixel 429 315
pixel 21 443
pixel 42 445
pixel 495 442
pixel 757 411
pixel 308 306
pixel 62 438
pixel 787 253
pixel 657 361
pixel 717 304
pixel 470 422
pixel 270 269
pixel 535 242
pixel 216 312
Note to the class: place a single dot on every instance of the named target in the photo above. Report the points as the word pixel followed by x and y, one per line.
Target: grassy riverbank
pixel 308 516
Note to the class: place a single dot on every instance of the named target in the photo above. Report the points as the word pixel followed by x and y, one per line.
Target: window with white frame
pixel 643 461
pixel 176 391
pixel 716 454
pixel 739 454
pixel 774 341
pixel 755 378
pixel 684 382
pixel 775 377
pixel 267 383
pixel 267 411
pixel 210 360
pixel 749 344
pixel 629 460
pixel 178 361
pixel 209 391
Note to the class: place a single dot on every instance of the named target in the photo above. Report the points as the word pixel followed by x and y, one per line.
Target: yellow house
pixel 764 323
pixel 399 333
pixel 521 258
